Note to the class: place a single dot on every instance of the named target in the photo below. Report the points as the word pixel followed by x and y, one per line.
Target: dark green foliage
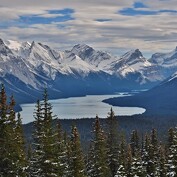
pixel 54 153
pixel 170 137
pixel 122 151
pixel 98 165
pixel 172 156
pixel 162 163
pixel 61 152
pixel 44 161
pixel 77 166
pixel 134 143
pixel 112 141
pixel 12 145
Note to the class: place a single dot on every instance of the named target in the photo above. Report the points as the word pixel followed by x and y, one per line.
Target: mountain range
pixel 27 68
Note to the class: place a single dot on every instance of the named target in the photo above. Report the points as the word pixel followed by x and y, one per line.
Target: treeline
pixel 54 153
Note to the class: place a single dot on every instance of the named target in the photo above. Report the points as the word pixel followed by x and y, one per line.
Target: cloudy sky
pixel 115 25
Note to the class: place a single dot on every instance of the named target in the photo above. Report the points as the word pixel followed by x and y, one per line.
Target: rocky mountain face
pixel 27 68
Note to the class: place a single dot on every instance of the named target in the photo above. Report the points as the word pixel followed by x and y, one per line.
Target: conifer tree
pixel 90 161
pixel 77 166
pixel 129 161
pixel 150 154
pixel 12 150
pixel 98 161
pixel 49 165
pixel 20 148
pixel 121 172
pixel 170 137
pixel 3 130
pixel 134 143
pixel 112 142
pixel 29 153
pixel 162 169
pixel 145 154
pixel 137 168
pixel 61 153
pixel 172 156
pixel 35 168
pixel 154 153
pixel 44 162
pixel 68 162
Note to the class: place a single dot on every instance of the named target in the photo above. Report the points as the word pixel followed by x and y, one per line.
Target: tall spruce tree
pixel 137 167
pixel 12 151
pixel 77 165
pixel 49 136
pixel 154 152
pixel 172 156
pixel 129 161
pixel 98 160
pixel 61 153
pixel 68 161
pixel 162 168
pixel 44 162
pixel 121 172
pixel 20 148
pixel 112 142
pixel 35 168
pixel 134 143
pixel 145 154
pixel 170 137
pixel 3 129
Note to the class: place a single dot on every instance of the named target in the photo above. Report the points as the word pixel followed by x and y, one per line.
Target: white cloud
pixel 149 33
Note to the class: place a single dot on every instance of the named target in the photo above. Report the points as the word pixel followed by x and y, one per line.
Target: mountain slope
pixel 132 67
pixel 28 68
pixel 98 59
pixel 167 62
pixel 160 100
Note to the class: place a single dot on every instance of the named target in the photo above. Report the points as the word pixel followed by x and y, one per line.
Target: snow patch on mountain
pixel 131 62
pixel 165 59
pixel 38 65
pixel 13 45
pixel 98 59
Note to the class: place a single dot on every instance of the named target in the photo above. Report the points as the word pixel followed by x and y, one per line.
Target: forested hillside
pixel 54 152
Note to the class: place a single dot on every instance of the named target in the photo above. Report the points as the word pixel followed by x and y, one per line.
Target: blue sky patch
pixel 63 11
pixel 133 12
pixel 139 5
pixel 63 15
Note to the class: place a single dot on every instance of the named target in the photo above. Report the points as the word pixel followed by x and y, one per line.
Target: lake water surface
pixel 81 107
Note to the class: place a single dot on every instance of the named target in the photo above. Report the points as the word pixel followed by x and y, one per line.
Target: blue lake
pixel 81 107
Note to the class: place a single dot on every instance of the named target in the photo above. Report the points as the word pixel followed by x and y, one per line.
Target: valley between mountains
pixel 27 68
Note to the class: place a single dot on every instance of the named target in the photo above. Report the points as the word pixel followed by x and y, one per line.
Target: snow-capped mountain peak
pixel 4 50
pixel 13 45
pixel 132 55
pixel 96 58
pixel 37 64
pixel 81 48
pixel 165 59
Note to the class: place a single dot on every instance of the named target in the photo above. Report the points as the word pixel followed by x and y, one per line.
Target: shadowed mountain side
pixel 161 100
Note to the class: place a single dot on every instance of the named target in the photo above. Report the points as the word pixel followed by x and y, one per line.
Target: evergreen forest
pixel 53 152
